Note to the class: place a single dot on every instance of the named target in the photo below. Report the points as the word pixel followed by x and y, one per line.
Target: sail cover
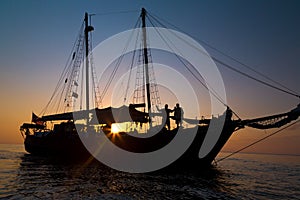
pixel 118 115
pixel 104 116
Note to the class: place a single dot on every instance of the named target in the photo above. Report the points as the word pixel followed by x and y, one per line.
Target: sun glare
pixel 115 128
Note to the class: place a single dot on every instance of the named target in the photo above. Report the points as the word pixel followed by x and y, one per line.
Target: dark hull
pixel 70 147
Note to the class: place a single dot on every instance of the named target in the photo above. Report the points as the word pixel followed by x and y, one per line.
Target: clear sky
pixel 37 36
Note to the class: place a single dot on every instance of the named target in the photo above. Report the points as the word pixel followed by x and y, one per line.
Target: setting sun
pixel 115 128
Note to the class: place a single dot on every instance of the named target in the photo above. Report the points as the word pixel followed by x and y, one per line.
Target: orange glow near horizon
pixel 286 142
pixel 19 102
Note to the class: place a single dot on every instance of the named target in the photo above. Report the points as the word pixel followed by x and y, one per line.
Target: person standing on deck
pixel 166 114
pixel 178 115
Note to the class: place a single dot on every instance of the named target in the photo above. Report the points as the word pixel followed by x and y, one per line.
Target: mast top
pixel 143 13
pixel 88 28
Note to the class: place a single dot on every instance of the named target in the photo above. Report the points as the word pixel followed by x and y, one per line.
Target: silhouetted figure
pixel 228 114
pixel 166 114
pixel 178 114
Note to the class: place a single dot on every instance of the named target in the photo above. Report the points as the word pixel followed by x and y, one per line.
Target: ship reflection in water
pixel 247 176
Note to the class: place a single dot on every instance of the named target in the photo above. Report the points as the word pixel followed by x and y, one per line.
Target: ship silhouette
pixel 58 134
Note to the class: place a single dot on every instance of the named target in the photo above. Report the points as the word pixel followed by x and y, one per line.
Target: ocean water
pixel 244 176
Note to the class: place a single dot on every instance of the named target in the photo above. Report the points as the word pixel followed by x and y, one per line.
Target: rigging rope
pixel 131 67
pixel 63 76
pixel 287 90
pixel 119 60
pixel 206 86
pixel 248 67
pixel 253 143
pixel 116 12
pixel 253 78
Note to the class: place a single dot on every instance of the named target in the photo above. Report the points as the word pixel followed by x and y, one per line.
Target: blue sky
pixel 263 34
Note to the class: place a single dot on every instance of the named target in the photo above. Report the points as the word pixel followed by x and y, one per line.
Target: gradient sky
pixel 37 36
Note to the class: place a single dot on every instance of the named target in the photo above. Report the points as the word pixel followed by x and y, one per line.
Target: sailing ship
pixel 58 134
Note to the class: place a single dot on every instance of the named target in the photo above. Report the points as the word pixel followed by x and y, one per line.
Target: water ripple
pixel 23 176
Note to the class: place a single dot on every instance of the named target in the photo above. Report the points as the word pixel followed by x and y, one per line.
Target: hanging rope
pixel 253 143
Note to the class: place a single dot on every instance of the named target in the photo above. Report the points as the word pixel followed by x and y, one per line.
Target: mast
pixel 86 35
pixel 143 15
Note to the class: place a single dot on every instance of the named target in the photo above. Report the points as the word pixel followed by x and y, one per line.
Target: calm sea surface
pixel 244 176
